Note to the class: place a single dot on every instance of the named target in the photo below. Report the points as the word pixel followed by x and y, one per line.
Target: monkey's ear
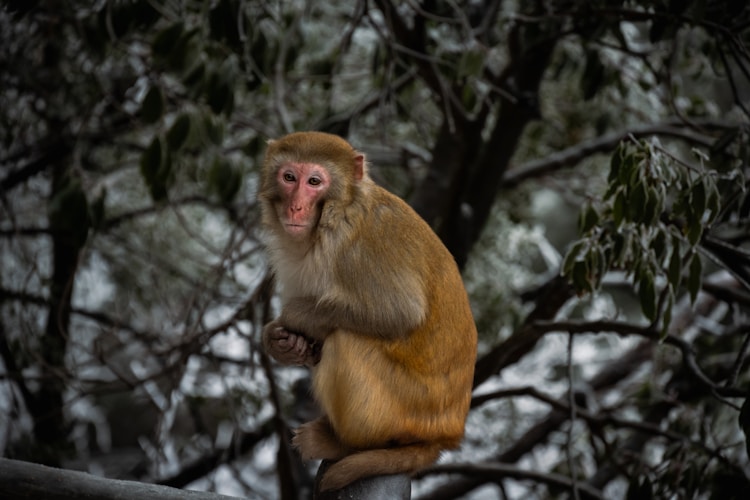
pixel 359 167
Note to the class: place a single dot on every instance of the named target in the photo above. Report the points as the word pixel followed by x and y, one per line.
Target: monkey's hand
pixel 289 348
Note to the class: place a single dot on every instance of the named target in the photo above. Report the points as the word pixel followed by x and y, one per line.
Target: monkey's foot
pixel 316 440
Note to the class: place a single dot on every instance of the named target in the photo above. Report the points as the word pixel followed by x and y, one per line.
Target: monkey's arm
pixel 378 316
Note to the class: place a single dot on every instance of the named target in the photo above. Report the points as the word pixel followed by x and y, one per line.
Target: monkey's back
pixel 417 387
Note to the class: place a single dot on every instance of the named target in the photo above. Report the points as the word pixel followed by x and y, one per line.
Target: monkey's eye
pixel 314 181
pixel 288 177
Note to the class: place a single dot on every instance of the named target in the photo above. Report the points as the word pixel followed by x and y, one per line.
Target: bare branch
pixel 493 472
pixel 571 156
pixel 649 332
pixel 23 480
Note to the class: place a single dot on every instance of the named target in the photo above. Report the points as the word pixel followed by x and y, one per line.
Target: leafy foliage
pixel 650 224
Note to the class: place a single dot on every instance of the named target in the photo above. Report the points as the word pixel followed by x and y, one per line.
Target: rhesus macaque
pixel 373 303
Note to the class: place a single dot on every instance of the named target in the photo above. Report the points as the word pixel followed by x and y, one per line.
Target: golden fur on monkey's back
pixel 404 399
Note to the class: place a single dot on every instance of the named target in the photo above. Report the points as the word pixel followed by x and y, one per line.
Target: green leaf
pixel 615 163
pixel 118 18
pixel 694 231
pixel 166 40
pixel 219 94
pixel 640 488
pixel 588 219
pixel 178 132
pixel 214 130
pixel 145 13
pixel 653 206
pixel 698 200
pixel 593 75
pixel 612 189
pixel 265 53
pixel 68 212
pixel 744 421
pixel 674 270
pixel 695 277
pixel 628 169
pixel 681 204
pixel 620 245
pixel 580 277
pixel 471 63
pixel 193 80
pixel 618 208
pixel 637 203
pixel 571 257
pixel 468 97
pixel 254 146
pixel 713 202
pixel 224 179
pixel 600 264
pixel 660 29
pixel 659 245
pixel 183 52
pixel 152 107
pixel 223 22
pixel 151 161
pixel 647 296
pixel 156 166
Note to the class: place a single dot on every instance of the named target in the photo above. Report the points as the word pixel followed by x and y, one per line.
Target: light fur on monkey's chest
pixel 301 277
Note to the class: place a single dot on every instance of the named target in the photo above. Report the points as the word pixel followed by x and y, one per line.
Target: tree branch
pixel 209 462
pixel 492 473
pixel 24 480
pixel 551 297
pixel 604 144
pixel 648 332
pixel 597 420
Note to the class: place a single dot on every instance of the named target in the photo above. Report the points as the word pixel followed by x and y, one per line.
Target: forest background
pixel 585 162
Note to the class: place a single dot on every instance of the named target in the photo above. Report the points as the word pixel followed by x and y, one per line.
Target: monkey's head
pixel 301 173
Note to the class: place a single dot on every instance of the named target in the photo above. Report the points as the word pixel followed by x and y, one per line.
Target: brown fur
pixel 378 288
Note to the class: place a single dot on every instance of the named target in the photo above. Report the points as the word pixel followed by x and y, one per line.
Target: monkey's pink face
pixel 302 187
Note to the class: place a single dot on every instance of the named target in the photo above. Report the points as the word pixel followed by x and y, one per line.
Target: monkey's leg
pixel 380 462
pixel 316 439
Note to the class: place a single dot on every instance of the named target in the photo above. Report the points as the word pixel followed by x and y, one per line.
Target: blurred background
pixel 585 162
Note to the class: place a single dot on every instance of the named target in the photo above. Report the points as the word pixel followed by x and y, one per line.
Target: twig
pixel 491 472
pixel 571 424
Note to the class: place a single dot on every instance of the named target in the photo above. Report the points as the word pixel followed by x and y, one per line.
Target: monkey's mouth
pixel 295 229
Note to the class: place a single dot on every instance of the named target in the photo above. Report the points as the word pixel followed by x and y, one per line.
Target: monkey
pixel 373 303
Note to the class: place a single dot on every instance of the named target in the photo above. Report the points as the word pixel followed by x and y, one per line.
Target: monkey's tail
pixel 380 462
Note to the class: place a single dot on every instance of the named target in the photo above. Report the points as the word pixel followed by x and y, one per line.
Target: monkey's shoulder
pixel 392 216
pixel 393 240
